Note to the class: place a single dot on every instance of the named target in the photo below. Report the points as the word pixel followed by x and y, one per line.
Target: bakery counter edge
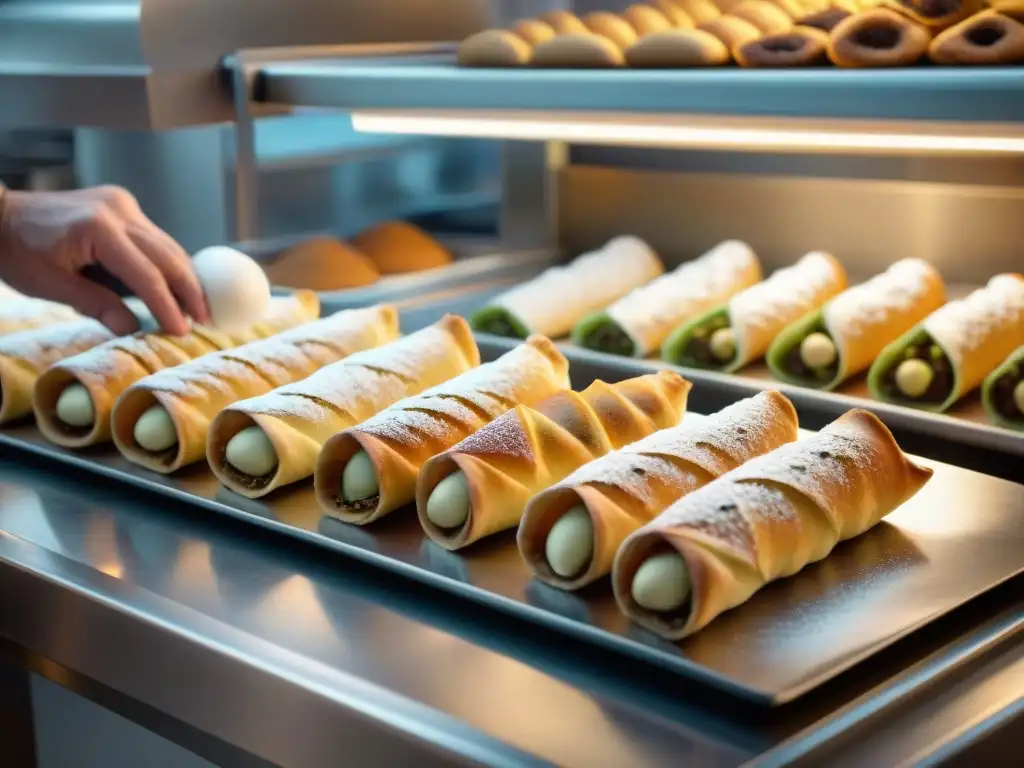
pixel 329 656
pixel 990 95
pixel 979 447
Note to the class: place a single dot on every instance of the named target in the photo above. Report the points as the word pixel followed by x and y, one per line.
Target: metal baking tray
pixel 992 450
pixel 476 260
pixel 433 82
pixel 961 536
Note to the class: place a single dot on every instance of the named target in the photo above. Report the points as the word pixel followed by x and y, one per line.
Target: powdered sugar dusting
pixel 966 325
pixel 42 347
pixel 715 445
pixel 787 295
pixel 558 298
pixel 505 436
pixel 898 290
pixel 692 288
pixel 491 388
pixel 19 314
pixel 363 383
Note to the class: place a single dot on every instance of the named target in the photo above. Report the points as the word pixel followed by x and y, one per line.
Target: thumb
pixel 91 300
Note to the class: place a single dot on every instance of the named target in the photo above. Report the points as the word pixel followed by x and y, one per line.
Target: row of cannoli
pixel 688 519
pixel 716 312
pixel 760 33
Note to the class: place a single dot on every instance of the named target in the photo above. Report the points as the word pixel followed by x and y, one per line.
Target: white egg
pixel 236 287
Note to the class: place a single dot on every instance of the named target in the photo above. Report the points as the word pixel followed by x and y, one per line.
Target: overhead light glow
pixel 706 132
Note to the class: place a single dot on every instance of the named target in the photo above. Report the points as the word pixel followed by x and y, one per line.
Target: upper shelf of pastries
pixel 680 57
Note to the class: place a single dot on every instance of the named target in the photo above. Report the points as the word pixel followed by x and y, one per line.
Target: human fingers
pixel 115 251
pixel 84 296
pixel 175 265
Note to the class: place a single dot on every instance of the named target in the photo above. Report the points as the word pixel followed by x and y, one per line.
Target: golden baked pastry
pixel 534 31
pixel 826 19
pixel 731 30
pixel 578 51
pixel 699 10
pixel 397 247
pixel 878 38
pixel 800 47
pixel 563 22
pixel 615 28
pixel 678 48
pixel 570 532
pixel 764 15
pixel 162 421
pixel 764 521
pixel 494 48
pixel 936 16
pixel 260 444
pixel 677 17
pixel 482 485
pixel 322 264
pixel 25 355
pixel 73 398
pixel 370 470
pixel 19 313
pixel 646 19
pixel 988 37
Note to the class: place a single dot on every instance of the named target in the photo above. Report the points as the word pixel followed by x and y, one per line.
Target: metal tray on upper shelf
pixel 434 82
pixel 476 260
pixel 961 536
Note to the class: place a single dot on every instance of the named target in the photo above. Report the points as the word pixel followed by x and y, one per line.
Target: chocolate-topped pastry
pixel 878 38
pixel 799 47
pixel 1003 392
pixel 988 37
pixel 951 351
pixel 936 14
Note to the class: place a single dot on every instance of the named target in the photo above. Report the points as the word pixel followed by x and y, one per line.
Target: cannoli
pixel 792 8
pixel 72 400
pixel 764 521
pixel 646 19
pixel 258 445
pixel 552 303
pixel 826 19
pixel 678 48
pixel 322 264
pixel 370 470
pixel 988 37
pixel 534 31
pixel 843 338
pixel 396 247
pixel 482 485
pixel 24 314
pixel 1002 394
pixel 878 38
pixel 570 532
pixel 936 15
pixel 799 47
pixel 582 50
pixel 731 335
pixel 952 350
pixel 563 22
pixel 731 30
pixel 161 422
pixel 638 323
pixel 764 15
pixel 25 355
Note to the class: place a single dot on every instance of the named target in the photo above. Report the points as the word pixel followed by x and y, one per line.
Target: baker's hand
pixel 46 238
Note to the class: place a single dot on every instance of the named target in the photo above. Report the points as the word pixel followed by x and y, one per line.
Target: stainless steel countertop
pixel 297 657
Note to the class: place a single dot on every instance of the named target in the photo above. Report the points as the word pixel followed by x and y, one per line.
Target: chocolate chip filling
pixel 500 326
pixel 795 364
pixel 985 34
pixel 357 506
pixel 698 352
pixel 881 35
pixel 1002 393
pixel 942 383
